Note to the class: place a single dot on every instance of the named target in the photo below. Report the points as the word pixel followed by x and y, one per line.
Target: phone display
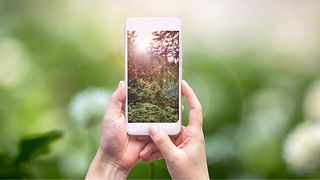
pixel 153 76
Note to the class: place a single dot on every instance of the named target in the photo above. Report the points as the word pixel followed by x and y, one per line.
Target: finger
pixel 151 147
pixel 117 99
pixel 181 136
pixel 182 108
pixel 184 143
pixel 162 141
pixel 148 150
pixel 123 107
pixel 195 114
pixel 155 156
pixel 143 138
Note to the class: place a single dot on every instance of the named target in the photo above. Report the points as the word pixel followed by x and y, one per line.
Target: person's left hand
pixel 118 152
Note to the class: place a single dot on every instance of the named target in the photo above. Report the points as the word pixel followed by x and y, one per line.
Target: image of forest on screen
pixel 153 76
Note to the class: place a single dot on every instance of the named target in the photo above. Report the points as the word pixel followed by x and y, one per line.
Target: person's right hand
pixel 185 155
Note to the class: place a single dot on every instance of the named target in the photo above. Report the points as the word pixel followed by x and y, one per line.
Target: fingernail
pixel 120 83
pixel 185 82
pixel 153 130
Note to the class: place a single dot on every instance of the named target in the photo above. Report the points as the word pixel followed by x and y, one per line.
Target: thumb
pixel 162 141
pixel 117 99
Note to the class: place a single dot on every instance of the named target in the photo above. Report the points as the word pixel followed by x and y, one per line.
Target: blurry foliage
pixel 29 149
pixel 251 78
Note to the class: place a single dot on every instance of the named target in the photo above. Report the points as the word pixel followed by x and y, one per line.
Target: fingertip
pixel 120 83
pixel 146 151
pixel 142 153
pixel 117 99
pixel 120 92
pixel 145 155
pixel 185 88
pixel 153 130
pixel 121 86
pixel 195 116
pixel 184 82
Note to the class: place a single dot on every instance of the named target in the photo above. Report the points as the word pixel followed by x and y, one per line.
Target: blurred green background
pixel 255 66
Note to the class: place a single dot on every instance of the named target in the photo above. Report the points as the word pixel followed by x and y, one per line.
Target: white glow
pixel 143 41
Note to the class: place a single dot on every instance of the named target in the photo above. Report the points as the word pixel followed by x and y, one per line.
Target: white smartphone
pixel 153 70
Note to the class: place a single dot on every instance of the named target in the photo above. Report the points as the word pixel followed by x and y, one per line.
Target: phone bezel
pixel 156 24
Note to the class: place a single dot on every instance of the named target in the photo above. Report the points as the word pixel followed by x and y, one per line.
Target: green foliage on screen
pixel 153 78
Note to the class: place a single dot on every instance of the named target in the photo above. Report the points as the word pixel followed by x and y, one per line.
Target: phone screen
pixel 153 76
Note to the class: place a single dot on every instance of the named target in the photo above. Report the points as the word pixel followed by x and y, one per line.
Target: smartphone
pixel 153 65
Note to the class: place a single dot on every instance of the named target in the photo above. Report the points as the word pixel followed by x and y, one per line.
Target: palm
pixel 116 143
pixel 186 133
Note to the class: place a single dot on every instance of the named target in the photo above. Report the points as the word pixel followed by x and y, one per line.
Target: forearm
pixel 103 168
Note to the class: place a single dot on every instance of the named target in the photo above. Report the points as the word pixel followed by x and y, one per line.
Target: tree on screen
pixel 153 69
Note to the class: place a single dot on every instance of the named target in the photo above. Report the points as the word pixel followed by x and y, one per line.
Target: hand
pixel 184 155
pixel 118 152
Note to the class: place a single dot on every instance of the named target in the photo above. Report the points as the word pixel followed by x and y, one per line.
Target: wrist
pixel 103 167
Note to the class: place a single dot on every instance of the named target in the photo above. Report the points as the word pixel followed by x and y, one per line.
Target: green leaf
pixel 36 145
